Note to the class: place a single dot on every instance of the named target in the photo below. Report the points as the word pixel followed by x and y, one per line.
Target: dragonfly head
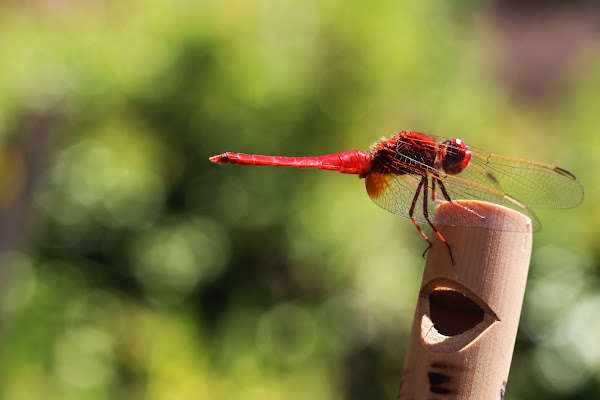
pixel 456 156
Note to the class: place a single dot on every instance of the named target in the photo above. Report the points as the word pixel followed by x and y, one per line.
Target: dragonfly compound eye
pixel 456 157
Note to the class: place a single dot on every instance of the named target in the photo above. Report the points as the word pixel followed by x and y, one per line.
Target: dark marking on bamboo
pixel 440 380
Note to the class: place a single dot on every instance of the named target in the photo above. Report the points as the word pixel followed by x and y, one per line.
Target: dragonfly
pixel 410 174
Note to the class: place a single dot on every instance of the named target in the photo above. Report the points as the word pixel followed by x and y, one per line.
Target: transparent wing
pixel 459 188
pixel 534 184
pixel 398 193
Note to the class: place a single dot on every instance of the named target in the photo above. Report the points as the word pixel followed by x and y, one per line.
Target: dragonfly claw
pixel 427 249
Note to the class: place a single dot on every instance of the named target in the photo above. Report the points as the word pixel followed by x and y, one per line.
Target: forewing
pixel 534 184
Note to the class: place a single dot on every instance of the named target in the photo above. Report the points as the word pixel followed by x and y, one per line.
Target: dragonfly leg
pixel 411 212
pixel 439 201
pixel 467 209
pixel 425 181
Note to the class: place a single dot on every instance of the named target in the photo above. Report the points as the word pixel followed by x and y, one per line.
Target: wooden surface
pixel 467 315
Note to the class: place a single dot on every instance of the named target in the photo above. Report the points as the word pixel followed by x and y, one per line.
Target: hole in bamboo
pixel 452 313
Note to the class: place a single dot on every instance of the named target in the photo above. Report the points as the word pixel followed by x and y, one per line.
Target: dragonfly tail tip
pixel 219 159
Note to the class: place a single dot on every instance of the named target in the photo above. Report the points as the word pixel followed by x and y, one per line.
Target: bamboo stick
pixel 467 315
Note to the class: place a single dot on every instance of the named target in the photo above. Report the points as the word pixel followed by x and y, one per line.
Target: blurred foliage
pixel 134 268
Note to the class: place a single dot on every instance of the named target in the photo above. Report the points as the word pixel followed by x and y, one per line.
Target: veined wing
pixel 534 184
pixel 396 194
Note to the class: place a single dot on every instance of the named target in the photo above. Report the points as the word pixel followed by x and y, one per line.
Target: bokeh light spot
pixel 286 334
pixel 171 259
pixel 84 357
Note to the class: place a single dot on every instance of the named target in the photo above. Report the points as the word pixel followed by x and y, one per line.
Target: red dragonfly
pixel 410 174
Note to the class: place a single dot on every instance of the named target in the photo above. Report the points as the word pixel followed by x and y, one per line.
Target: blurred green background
pixel 133 268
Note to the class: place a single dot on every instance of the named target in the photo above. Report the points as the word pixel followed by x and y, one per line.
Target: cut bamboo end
pixel 467 314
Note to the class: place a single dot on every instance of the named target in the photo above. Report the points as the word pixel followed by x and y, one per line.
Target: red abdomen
pixel 349 162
